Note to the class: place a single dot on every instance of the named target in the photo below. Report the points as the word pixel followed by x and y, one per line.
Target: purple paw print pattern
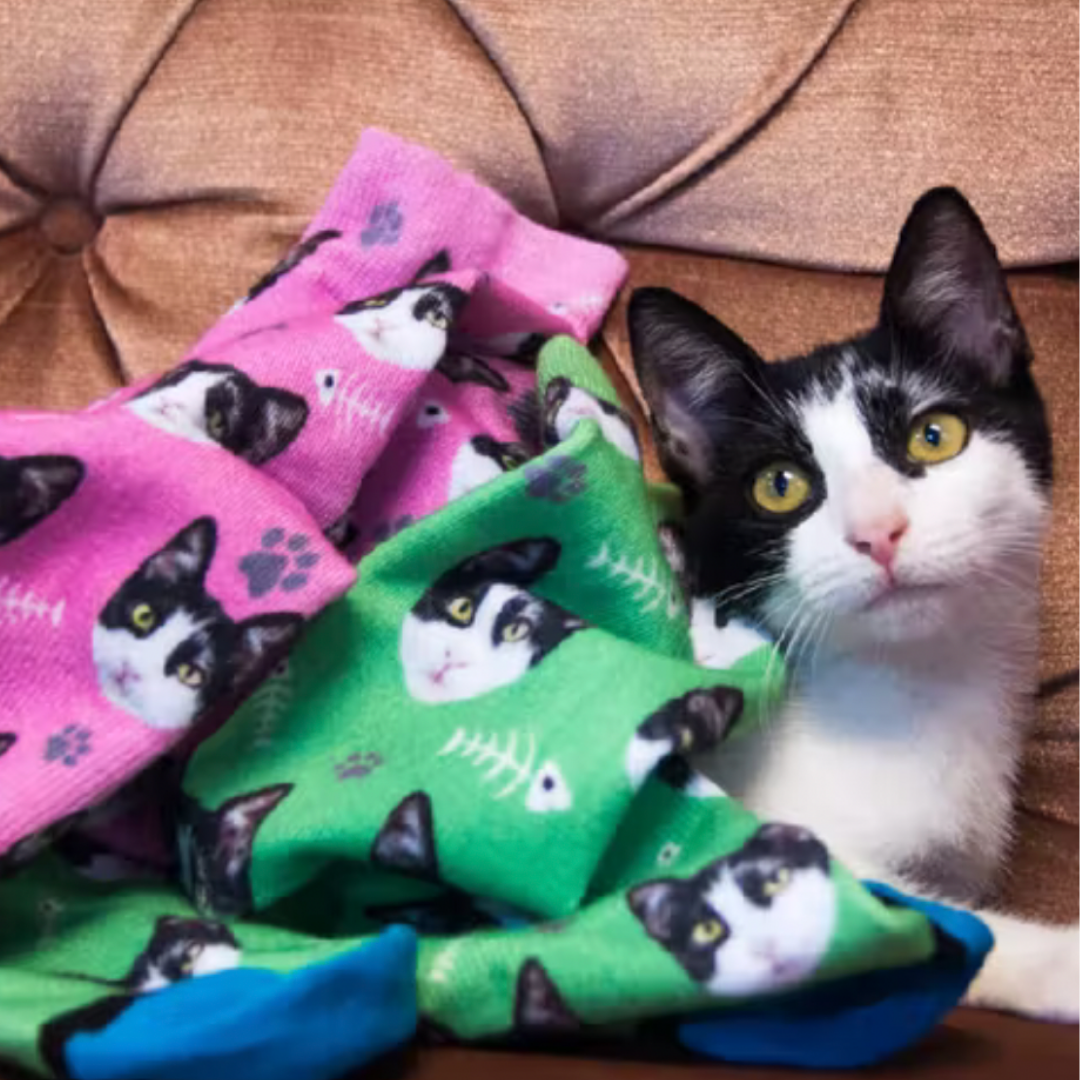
pixel 282 563
pixel 357 766
pixel 557 478
pixel 68 745
pixel 384 225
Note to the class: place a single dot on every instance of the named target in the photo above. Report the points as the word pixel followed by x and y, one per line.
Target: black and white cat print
pixel 164 649
pixel 566 405
pixel 478 628
pixel 756 921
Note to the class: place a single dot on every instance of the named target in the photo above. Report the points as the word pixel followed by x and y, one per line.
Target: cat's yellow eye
pixel 686 740
pixel 143 618
pixel 461 609
pixel 777 881
pixel 438 320
pixel 215 424
pixel 508 463
pixel 515 631
pixel 707 932
pixel 190 674
pixel 376 302
pixel 936 437
pixel 781 488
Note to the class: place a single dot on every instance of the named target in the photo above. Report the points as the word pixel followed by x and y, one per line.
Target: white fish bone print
pixel 651 578
pixel 343 392
pixel 20 604
pixel 270 703
pixel 547 789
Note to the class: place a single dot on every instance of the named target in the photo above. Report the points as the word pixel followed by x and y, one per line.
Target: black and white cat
pixel 178 949
pixel 480 459
pixel 218 403
pixel 32 488
pixel 165 649
pixel 408 326
pixel 295 256
pixel 756 921
pixel 878 506
pixel 478 628
pixel 697 721
pixel 215 848
pixel 566 404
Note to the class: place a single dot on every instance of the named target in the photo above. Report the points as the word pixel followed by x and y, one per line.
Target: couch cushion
pixel 798 132
pixel 189 143
pixel 784 311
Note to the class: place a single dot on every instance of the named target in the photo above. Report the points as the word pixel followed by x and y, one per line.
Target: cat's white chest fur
pixel 886 767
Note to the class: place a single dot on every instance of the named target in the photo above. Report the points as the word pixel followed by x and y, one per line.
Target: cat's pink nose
pixel 879 540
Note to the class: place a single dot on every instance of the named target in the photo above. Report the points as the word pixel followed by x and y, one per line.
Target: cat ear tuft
pixel 263 637
pixel 280 416
pixel 521 562
pixel 406 842
pixel 253 807
pixel 946 291
pixel 45 482
pixel 439 263
pixel 187 556
pixel 715 711
pixel 689 366
pixel 655 904
pixel 7 741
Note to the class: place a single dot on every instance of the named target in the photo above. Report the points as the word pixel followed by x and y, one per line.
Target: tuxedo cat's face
pixel 565 405
pixel 218 403
pixel 880 490
pixel 215 848
pixel 32 488
pixel 481 459
pixel 406 327
pixel 478 627
pixel 755 921
pixel 164 648
pixel 183 949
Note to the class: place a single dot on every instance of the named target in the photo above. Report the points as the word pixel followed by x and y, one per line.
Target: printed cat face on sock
pixel 215 848
pixel 480 459
pixel 758 920
pixel 565 405
pixel 409 326
pixel 165 649
pixel 880 488
pixel 182 949
pixel 690 724
pixel 32 488
pixel 478 628
pixel 219 403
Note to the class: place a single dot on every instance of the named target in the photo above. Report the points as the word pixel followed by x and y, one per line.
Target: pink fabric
pixel 311 386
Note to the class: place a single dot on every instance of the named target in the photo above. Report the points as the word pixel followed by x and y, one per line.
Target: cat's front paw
pixel 1055 995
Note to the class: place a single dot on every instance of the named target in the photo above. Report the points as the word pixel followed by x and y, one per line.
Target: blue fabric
pixel 251 1024
pixel 857 1021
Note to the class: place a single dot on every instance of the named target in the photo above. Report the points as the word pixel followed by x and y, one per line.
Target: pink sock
pixel 146 574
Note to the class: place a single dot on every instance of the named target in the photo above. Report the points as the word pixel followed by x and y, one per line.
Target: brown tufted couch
pixel 157 155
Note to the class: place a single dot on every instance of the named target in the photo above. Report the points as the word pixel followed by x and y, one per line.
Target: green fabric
pixel 521 814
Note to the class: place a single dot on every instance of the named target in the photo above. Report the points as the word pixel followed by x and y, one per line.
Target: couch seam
pixel 125 109
pixel 714 149
pixel 504 78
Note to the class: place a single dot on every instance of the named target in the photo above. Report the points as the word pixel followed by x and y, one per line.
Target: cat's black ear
pixel 656 904
pixel 690 367
pixel 406 842
pixel 521 562
pixel 945 291
pixel 279 418
pixel 439 263
pixel 7 741
pixel 264 636
pixel 538 1003
pixel 247 812
pixel 45 482
pixel 461 367
pixel 187 556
